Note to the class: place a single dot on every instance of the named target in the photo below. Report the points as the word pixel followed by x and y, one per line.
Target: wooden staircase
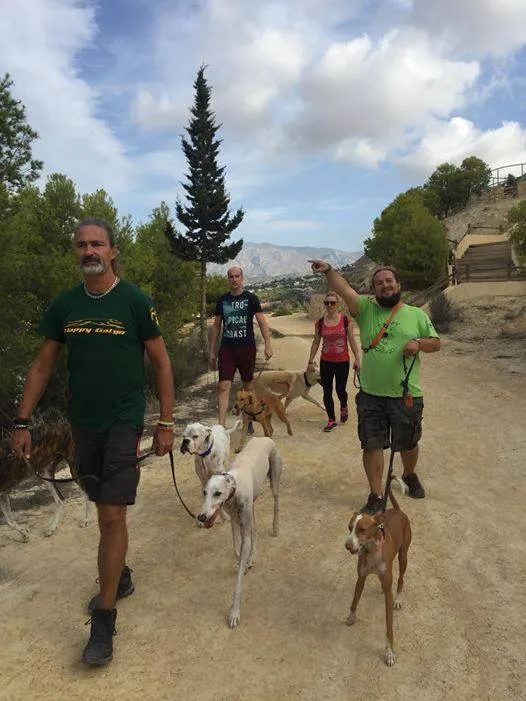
pixel 487 261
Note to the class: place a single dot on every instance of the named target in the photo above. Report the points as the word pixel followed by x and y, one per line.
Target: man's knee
pixel 111 516
pixel 223 386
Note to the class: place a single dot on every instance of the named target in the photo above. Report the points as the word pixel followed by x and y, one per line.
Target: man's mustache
pixel 90 259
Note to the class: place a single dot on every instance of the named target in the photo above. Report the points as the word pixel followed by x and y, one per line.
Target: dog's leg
pixel 266 424
pixel 280 411
pixel 311 400
pixel 358 589
pixel 5 508
pixel 252 557
pixel 88 512
pixel 236 539
pixel 402 566
pixel 274 475
pixel 387 586
pixel 59 508
pixel 246 545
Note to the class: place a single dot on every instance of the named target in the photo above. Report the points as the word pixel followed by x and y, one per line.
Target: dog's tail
pixel 237 425
pixel 402 486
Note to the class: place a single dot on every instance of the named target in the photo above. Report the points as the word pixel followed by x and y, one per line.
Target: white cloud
pixel 362 97
pixel 452 141
pixel 39 48
pixel 475 27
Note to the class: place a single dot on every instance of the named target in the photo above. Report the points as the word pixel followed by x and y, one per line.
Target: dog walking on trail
pixel 107 325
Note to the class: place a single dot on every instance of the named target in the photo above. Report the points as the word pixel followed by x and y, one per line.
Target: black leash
pixel 405 392
pixel 172 466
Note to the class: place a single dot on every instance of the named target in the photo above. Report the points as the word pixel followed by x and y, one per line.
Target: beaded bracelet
pixel 21 425
pixel 165 428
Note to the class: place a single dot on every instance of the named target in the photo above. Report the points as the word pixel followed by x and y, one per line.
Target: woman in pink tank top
pixel 335 332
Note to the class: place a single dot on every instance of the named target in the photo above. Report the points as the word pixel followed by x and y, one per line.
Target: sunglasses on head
pixel 328 303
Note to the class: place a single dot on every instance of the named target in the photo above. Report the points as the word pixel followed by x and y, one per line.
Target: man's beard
pixel 389 302
pixel 93 267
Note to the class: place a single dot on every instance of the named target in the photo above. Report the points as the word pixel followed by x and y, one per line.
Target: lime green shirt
pixel 105 340
pixel 382 368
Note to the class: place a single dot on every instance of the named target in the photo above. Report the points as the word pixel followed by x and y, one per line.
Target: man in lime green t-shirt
pixel 107 325
pixel 392 336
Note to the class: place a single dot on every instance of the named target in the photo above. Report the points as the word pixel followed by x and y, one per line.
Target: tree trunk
pixel 202 320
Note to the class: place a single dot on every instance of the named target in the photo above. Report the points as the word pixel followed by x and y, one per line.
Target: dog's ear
pixel 379 520
pixel 231 481
pixel 208 432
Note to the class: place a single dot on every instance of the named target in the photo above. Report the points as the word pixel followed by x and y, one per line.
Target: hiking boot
pixel 344 414
pixel 413 484
pixel 99 650
pixel 250 429
pixel 373 506
pixel 125 588
pixel 330 425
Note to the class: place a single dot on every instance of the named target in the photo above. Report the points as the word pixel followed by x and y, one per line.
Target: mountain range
pixel 264 261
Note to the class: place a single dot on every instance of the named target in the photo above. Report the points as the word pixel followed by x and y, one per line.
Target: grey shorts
pixel 381 419
pixel 107 463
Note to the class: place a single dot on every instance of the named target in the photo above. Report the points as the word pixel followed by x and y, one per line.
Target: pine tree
pixel 206 218
pixel 17 167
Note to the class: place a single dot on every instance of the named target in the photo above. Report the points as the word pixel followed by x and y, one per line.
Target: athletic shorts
pixel 386 422
pixel 242 358
pixel 107 463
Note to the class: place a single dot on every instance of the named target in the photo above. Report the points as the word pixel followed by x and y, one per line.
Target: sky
pixel 329 108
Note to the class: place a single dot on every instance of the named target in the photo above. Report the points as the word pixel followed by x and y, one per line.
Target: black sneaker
pixel 413 484
pixel 125 588
pixel 250 429
pixel 373 506
pixel 99 650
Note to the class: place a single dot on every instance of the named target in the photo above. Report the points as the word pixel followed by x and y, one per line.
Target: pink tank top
pixel 334 342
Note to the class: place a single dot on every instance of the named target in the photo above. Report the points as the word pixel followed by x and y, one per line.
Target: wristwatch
pixel 417 340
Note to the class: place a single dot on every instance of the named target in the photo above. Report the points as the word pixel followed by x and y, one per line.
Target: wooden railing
pixel 423 296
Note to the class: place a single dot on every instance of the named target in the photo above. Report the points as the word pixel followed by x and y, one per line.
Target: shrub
pixel 282 311
pixel 442 312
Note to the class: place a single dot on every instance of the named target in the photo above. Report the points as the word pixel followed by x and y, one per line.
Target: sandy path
pixel 460 634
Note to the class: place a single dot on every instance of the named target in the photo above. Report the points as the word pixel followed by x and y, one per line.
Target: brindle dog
pixel 52 444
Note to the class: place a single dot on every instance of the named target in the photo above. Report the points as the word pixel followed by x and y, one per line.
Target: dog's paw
pixel 351 618
pixel 389 657
pixel 397 604
pixel 234 618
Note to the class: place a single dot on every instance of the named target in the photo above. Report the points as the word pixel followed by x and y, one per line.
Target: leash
pixel 408 401
pixel 172 466
pixel 356 378
pixel 264 366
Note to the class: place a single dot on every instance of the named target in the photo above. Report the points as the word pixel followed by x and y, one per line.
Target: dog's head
pixel 195 438
pixel 244 400
pixel 217 491
pixel 363 529
pixel 313 374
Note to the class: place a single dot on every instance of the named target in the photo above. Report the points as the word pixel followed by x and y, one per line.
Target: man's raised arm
pixel 338 284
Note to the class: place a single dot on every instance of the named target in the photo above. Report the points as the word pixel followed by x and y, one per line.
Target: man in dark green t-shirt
pixel 107 325
pixel 389 375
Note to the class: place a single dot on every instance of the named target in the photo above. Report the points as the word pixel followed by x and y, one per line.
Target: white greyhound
pixel 236 491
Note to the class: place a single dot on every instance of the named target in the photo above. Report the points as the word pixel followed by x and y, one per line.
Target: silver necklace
pixel 102 294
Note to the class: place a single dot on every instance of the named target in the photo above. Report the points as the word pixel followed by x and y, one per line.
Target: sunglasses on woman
pixel 328 304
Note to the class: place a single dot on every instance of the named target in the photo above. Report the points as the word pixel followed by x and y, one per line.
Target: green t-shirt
pixel 382 368
pixel 105 339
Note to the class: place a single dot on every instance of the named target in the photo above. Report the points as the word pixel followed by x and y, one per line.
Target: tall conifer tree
pixel 206 217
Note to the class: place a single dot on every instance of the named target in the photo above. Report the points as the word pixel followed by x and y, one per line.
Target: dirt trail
pixel 460 634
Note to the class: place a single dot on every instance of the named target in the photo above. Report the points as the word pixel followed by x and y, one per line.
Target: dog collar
pixel 306 380
pixel 207 451
pixel 256 413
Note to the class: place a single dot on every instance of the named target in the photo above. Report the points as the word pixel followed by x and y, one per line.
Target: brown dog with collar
pixel 378 540
pixel 259 407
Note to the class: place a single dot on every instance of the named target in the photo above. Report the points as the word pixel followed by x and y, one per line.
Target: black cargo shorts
pixel 107 463
pixel 381 419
